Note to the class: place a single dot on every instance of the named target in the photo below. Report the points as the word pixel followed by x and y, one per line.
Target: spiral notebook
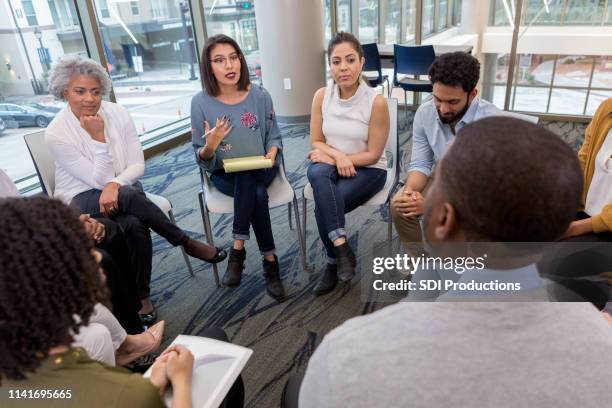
pixel 216 366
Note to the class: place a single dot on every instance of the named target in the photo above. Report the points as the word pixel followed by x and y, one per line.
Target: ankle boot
pixel 328 280
pixel 274 287
pixel 235 265
pixel 346 262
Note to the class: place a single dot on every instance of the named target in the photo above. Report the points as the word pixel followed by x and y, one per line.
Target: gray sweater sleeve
pixel 197 133
pixel 273 135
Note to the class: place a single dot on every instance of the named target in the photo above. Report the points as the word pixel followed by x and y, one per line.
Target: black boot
pixel 346 262
pixel 274 287
pixel 235 265
pixel 328 280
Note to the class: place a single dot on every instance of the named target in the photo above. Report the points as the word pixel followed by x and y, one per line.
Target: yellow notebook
pixel 246 163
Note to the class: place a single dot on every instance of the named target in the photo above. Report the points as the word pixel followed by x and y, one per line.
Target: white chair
pixel 45 168
pixel 213 201
pixel 384 195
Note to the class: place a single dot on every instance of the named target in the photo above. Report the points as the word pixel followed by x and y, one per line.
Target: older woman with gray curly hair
pixel 99 160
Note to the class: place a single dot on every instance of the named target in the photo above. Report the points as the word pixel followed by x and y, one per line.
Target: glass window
pixel 236 20
pixel 159 9
pixel 502 12
pixel 539 13
pixel 28 10
pixel 535 70
pixel 104 9
pixel 344 15
pixel 529 99
pixel 596 97
pixel 73 13
pixel 428 17
pixel 567 101
pixel 391 13
pixel 583 12
pixel 368 21
pixel 23 79
pixel 442 13
pixel 410 21
pixel 53 11
pixel 495 75
pixel 552 12
pixel 135 8
pixel 602 75
pixel 153 64
pixel 327 20
pixel 573 70
pixel 457 4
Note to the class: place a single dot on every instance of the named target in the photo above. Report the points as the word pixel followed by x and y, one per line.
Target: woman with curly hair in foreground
pixel 49 284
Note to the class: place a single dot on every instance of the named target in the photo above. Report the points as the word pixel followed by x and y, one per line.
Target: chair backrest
pixel 392 145
pixel 372 58
pixel 412 60
pixel 43 160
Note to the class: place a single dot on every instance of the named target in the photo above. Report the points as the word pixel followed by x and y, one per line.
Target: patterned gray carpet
pixel 282 335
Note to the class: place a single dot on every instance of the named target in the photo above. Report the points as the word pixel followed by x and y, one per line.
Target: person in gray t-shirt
pixel 231 118
pixel 473 354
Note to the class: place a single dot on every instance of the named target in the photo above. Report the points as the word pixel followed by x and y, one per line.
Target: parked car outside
pixel 25 115
pixel 2 126
pixel 40 106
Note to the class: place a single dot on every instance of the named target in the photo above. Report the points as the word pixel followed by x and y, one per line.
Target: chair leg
pixel 305 266
pixel 388 89
pixel 300 233
pixel 289 214
pixel 185 256
pixel 390 225
pixel 208 232
pixel 406 107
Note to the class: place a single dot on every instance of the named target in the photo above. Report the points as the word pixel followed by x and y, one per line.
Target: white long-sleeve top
pixel 82 163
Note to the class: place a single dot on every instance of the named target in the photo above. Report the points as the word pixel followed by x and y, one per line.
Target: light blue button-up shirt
pixel 431 137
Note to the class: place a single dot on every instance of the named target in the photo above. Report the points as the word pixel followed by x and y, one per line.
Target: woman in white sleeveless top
pixel 349 126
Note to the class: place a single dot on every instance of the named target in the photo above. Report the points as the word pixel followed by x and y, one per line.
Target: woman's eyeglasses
pixel 222 60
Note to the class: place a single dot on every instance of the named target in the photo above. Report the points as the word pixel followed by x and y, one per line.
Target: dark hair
pixel 208 78
pixel 511 181
pixel 47 277
pixel 344 37
pixel 455 69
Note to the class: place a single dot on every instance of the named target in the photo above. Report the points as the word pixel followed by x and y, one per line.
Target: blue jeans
pixel 249 189
pixel 335 196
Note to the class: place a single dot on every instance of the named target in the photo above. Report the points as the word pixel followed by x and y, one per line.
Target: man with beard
pixel 454 104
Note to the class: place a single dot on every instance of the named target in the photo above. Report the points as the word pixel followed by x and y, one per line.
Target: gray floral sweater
pixel 254 126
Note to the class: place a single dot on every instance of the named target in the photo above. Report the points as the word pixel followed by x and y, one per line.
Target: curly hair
pixel 47 277
pixel 500 192
pixel 65 69
pixel 455 69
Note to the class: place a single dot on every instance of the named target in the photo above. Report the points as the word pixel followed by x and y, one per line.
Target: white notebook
pixel 216 366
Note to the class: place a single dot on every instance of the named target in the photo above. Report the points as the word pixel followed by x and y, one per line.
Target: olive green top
pixel 72 379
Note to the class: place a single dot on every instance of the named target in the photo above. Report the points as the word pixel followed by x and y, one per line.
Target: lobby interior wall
pixel 290 35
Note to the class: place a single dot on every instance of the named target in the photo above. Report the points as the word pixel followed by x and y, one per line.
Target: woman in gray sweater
pixel 232 118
